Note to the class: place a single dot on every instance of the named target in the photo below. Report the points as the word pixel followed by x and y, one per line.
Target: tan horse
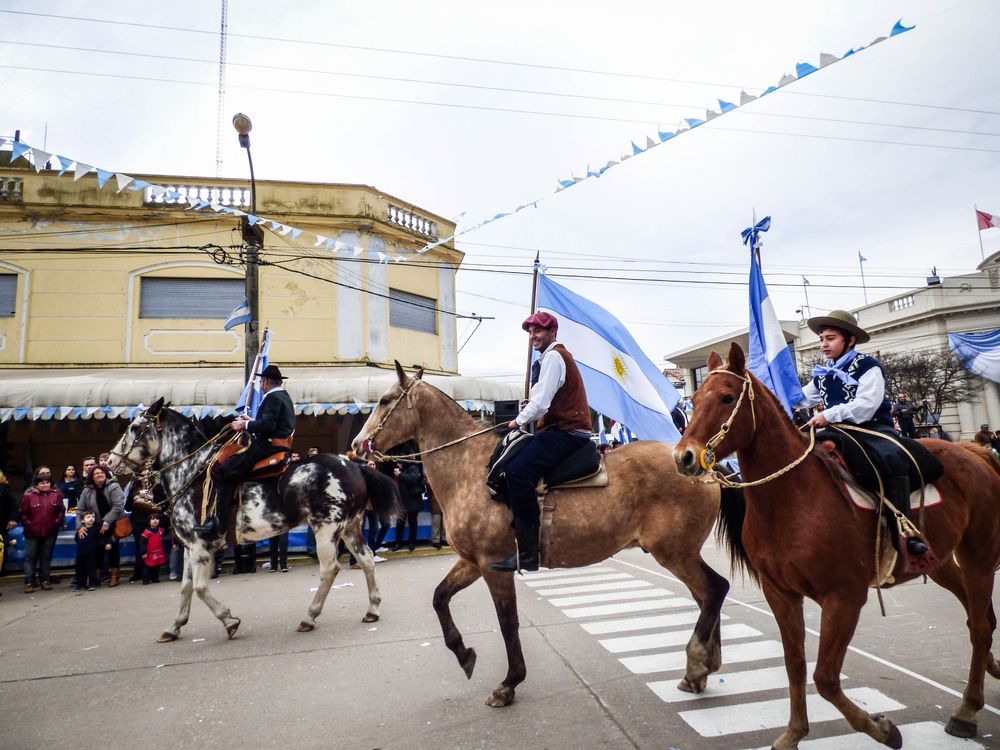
pixel 645 504
pixel 801 536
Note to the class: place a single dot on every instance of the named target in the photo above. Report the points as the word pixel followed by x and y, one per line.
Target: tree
pixel 935 377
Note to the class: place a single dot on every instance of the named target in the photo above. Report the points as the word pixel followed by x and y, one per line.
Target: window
pixel 412 311
pixel 698 376
pixel 8 294
pixel 189 298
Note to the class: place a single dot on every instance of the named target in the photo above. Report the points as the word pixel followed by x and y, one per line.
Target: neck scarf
pixel 838 369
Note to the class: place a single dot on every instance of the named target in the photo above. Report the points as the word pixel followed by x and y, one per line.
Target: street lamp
pixel 253 240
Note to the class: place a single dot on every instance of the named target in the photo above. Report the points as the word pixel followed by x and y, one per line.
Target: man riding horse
pixel 851 388
pixel 558 402
pixel 271 429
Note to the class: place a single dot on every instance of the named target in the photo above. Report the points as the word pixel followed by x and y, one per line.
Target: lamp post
pixel 253 240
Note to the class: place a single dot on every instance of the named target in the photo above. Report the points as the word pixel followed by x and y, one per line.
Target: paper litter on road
pixel 372 630
pixel 160 666
pixel 89 648
pixel 197 640
pixel 425 643
pixel 314 589
pixel 343 585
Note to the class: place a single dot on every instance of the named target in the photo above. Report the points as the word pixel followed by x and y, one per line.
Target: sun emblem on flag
pixel 620 370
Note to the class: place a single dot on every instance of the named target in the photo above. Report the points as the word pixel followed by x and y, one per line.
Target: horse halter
pixel 707 457
pixel 370 440
pixel 150 424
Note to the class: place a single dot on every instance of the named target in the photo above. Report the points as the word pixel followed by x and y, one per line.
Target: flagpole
pixel 805 290
pixel 861 263
pixel 534 293
pixel 982 253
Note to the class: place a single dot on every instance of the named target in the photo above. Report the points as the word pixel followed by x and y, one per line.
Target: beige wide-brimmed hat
pixel 839 319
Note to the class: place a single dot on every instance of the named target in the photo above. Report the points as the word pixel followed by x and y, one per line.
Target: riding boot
pixel 114 577
pixel 525 556
pixel 899 495
pixel 215 525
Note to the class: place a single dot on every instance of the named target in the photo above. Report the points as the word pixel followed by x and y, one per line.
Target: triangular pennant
pixel 664 135
pixel 746 98
pixel 330 244
pixel 17 150
pixel 41 159
pixel 296 233
pixel 899 28
pixel 81 170
pixel 786 79
pixel 320 239
pixel 650 143
pixel 803 69
pixel 710 115
pixel 123 180
pixel 157 191
pixel 285 230
pixel 693 122
pixel 138 185
pixel 252 220
pixel 635 149
pixel 103 176
pixel 726 106
pixel 825 58
pixel 65 163
pixel 877 40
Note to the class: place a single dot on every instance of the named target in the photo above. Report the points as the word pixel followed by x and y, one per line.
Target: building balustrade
pixel 408 220
pixel 191 194
pixel 11 189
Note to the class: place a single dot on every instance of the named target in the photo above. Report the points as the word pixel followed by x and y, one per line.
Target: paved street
pixel 604 648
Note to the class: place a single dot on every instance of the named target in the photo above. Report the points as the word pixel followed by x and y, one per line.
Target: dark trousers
pixel 107 558
pixel 411 520
pixel 907 427
pixel 38 553
pixel 150 573
pixel 547 449
pixel 139 574
pixel 86 570
pixel 278 547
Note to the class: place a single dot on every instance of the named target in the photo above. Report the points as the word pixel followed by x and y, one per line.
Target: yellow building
pixel 110 298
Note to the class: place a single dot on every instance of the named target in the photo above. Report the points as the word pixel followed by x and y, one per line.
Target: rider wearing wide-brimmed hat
pixel 557 403
pixel 275 421
pixel 851 388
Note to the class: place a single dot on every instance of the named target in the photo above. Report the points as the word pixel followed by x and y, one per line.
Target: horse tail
pixel 729 531
pixel 383 494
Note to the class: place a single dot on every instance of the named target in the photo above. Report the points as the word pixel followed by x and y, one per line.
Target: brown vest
pixel 569 410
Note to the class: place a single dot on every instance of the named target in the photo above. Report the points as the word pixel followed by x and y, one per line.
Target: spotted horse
pixel 330 492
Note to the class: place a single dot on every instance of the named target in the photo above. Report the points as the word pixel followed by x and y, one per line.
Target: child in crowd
pixel 86 555
pixel 154 553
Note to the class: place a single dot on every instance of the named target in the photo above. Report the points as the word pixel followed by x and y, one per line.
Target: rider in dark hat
pixel 558 402
pixel 851 388
pixel 271 429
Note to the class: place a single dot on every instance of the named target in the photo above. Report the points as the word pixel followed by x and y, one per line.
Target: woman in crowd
pixel 42 515
pixel 411 490
pixel 70 487
pixel 105 498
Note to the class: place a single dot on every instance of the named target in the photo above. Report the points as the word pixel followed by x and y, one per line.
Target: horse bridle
pixel 707 457
pixel 409 405
pixel 153 424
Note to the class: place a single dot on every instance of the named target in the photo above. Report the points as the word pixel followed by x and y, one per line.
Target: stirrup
pixel 210 530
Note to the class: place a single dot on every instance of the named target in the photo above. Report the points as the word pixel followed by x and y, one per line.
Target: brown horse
pixel 642 506
pixel 801 536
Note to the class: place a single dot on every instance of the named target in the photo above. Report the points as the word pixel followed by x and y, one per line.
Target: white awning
pixel 44 394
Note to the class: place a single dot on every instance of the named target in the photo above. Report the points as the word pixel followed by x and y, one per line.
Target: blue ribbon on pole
pixel 749 234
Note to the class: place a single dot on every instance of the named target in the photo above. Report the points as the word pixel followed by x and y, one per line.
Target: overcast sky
pixel 844 161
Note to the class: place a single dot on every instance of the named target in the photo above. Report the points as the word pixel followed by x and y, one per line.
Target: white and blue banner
pixel 238 316
pixel 620 379
pixel 979 352
pixel 251 397
pixel 769 357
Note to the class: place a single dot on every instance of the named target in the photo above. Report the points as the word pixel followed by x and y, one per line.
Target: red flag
pixel 987 221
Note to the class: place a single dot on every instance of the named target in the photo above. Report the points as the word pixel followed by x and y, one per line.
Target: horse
pixel 798 533
pixel 641 506
pixel 330 492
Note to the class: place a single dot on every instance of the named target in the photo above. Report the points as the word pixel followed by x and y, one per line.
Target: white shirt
pixel 550 379
pixel 868 398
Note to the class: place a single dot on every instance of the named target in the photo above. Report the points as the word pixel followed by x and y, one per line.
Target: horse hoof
pixel 370 617
pixel 693 687
pixel 468 663
pixel 231 629
pixel 500 697
pixel 895 739
pixel 961 728
pixel 305 627
pixel 166 638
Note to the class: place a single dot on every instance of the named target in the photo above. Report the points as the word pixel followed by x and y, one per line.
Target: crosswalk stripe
pixel 672 660
pixel 671 638
pixel 609 596
pixel 918 735
pixel 621 608
pixel 635 583
pixel 560 572
pixel 750 717
pixel 591 578
pixel 647 622
pixel 730 683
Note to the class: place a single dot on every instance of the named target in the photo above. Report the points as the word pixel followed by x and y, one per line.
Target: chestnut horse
pixel 642 506
pixel 801 536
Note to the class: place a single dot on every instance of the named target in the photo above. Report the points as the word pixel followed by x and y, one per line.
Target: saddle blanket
pixel 867 501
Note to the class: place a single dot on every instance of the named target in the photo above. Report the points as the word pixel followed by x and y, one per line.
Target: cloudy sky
pixel 472 108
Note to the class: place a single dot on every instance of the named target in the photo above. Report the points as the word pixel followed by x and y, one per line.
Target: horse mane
pixel 465 421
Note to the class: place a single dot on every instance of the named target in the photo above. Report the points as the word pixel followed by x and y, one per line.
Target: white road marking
pixel 923 734
pixel 672 660
pixel 560 572
pixel 751 717
pixel 671 638
pixel 731 683
pixel 595 578
pixel 634 583
pixel 643 623
pixel 610 596
pixel 622 607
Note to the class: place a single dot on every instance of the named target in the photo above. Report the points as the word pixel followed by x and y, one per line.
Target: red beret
pixel 541 319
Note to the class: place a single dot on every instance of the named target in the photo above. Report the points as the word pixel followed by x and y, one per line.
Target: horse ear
pixel 737 360
pixel 155 407
pixel 714 361
pixel 420 373
pixel 399 373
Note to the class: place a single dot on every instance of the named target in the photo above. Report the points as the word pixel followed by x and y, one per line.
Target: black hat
pixel 271 372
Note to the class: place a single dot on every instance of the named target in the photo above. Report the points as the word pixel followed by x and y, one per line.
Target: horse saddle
pixel 273 465
pixel 582 468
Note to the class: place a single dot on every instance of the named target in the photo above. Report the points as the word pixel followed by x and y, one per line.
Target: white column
pixel 991 395
pixel 350 301
pixel 447 327
pixel 378 302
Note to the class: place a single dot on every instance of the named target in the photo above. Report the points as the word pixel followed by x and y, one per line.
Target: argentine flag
pixel 251 397
pixel 621 381
pixel 979 352
pixel 238 316
pixel 769 357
